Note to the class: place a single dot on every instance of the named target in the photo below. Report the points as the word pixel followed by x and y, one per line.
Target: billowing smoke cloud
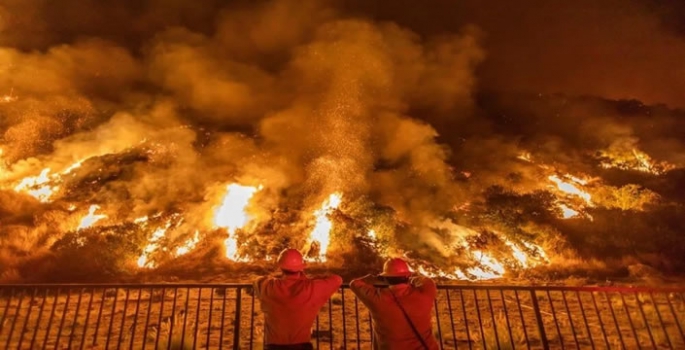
pixel 291 96
pixel 307 98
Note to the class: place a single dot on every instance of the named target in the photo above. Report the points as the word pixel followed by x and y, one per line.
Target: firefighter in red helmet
pixel 290 302
pixel 400 307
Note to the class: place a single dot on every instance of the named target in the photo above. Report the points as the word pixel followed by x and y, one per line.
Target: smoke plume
pixel 154 106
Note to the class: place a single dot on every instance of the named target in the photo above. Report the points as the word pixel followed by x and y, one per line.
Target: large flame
pixel 232 216
pixel 43 186
pixel 524 255
pixel 567 212
pixel 323 226
pixel 91 218
pixel 634 160
pixel 490 268
pixel 189 244
pixel 571 188
pixel 153 244
pixel 38 187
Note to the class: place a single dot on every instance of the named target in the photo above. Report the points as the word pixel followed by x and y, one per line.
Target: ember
pixel 245 128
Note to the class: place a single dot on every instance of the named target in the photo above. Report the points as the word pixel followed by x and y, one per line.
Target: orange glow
pixel 43 186
pixel 567 212
pixel 490 268
pixel 37 187
pixel 232 216
pixel 91 218
pixel 324 225
pixel 525 156
pixel 570 188
pixel 189 245
pixel 153 244
pixel 634 160
pixel 8 98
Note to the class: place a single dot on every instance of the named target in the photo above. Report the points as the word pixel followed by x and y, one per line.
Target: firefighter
pixel 400 307
pixel 290 302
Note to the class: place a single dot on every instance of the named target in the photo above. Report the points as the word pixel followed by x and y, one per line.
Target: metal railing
pixel 225 316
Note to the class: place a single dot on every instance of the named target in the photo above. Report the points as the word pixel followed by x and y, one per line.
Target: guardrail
pixel 225 316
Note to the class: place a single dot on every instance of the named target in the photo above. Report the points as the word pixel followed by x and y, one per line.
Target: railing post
pixel 236 324
pixel 538 318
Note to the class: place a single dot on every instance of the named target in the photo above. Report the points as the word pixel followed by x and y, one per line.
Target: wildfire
pixel 525 259
pixel 526 157
pixel 635 160
pixel 570 188
pixel 518 254
pixel 537 250
pixel 8 98
pixel 322 229
pixel 72 167
pixel 189 244
pixel 490 268
pixel 37 187
pixel 90 219
pixel 525 254
pixel 456 275
pixel 232 216
pixel 567 212
pixel 43 186
pixel 153 244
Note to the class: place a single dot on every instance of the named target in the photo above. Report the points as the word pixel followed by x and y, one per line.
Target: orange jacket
pixel 290 305
pixel 391 329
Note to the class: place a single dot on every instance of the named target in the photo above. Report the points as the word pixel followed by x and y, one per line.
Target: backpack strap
pixel 411 324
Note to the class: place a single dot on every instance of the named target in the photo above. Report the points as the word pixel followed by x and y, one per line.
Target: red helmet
pixel 291 260
pixel 396 267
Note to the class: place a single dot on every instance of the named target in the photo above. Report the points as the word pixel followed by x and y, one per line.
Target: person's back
pixel 291 302
pixel 391 327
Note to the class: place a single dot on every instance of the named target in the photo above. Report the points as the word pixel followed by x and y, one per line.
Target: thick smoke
pixel 295 98
pixel 307 98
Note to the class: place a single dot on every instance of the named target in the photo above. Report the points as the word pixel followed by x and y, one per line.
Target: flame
pixel 323 226
pixel 567 212
pixel 372 234
pixel 90 219
pixel 537 250
pixel 635 160
pixel 37 187
pixel 518 254
pixel 8 98
pixel 456 275
pixel 189 244
pixel 487 266
pixel 152 246
pixel 570 188
pixel 71 168
pixel 491 268
pixel 525 156
pixel 231 214
pixel 43 186
pixel 525 259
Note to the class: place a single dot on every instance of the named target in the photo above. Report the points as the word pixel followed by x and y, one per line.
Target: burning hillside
pixel 292 124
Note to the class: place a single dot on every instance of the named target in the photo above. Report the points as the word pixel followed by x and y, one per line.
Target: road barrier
pixel 227 316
